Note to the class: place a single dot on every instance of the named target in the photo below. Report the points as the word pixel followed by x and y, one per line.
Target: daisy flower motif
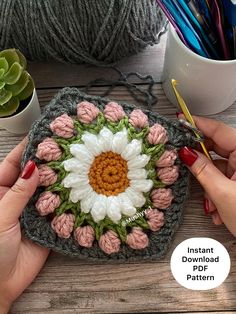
pixel 107 175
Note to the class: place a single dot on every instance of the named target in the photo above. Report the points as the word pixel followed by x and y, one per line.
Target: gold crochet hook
pixel 188 115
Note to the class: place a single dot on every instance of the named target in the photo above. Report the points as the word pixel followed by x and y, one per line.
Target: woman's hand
pixel 20 259
pixel 217 178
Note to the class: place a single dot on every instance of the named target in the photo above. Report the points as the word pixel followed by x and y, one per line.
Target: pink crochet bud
pixel 109 242
pixel 167 159
pixel 168 175
pixel 48 150
pixel 157 135
pixel 114 112
pixel 162 198
pixel 47 176
pixel 87 112
pixel 85 236
pixel 47 203
pixel 63 126
pixel 155 219
pixel 137 239
pixel 63 225
pixel 138 119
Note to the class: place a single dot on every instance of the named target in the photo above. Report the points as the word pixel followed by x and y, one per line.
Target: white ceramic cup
pixel 207 86
pixel 21 122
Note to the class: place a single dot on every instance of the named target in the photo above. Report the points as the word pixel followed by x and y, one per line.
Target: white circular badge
pixel 200 263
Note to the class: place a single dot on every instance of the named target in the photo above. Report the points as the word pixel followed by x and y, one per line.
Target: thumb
pixel 14 201
pixel 210 177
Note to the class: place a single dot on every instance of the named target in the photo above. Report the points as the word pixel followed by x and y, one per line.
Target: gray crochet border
pixel 38 228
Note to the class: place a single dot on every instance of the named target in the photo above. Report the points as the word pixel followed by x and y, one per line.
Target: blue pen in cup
pixel 190 37
pixel 172 21
pixel 206 43
pixel 200 17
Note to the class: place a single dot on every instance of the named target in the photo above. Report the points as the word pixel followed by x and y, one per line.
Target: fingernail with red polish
pixel 28 170
pixel 188 156
pixel 206 206
pixel 178 113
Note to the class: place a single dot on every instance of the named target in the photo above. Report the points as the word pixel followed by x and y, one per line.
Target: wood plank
pixel 129 288
pixel 51 74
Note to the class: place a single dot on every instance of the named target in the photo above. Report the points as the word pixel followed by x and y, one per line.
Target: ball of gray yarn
pixel 79 31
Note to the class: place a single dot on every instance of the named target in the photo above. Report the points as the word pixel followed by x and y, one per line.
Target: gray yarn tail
pixel 141 95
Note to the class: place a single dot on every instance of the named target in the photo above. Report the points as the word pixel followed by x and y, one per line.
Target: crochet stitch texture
pixel 111 185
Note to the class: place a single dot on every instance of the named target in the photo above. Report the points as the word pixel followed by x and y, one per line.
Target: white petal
pixel 120 141
pixel 126 205
pixel 73 180
pixel 136 198
pixel 99 208
pixel 77 194
pixel 141 185
pixel 87 202
pixel 133 149
pixel 138 162
pixel 113 209
pixel 81 153
pixel 91 143
pixel 105 139
pixel 137 174
pixel 75 165
pixel 129 211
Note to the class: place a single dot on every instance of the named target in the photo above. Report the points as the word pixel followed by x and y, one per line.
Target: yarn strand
pixel 145 97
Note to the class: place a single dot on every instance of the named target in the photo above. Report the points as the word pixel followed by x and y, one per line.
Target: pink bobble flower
pixel 63 225
pixel 162 198
pixel 167 159
pixel 47 203
pixel 47 176
pixel 114 112
pixel 138 119
pixel 109 242
pixel 155 219
pixel 87 112
pixel 168 175
pixel 157 135
pixel 137 239
pixel 48 150
pixel 63 126
pixel 85 236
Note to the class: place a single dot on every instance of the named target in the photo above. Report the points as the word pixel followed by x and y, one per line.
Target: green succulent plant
pixel 16 84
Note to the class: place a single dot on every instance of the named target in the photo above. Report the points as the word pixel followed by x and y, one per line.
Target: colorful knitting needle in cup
pixel 188 115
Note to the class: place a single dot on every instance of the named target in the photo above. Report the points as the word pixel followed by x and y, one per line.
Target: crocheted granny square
pixel 110 183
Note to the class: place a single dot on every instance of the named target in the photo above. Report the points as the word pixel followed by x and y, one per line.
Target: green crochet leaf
pixel 4 64
pixel 20 85
pixel 27 91
pixel 5 96
pixel 9 108
pixel 13 75
pixel 11 56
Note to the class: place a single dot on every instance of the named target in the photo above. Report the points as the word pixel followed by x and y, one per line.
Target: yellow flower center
pixel 108 174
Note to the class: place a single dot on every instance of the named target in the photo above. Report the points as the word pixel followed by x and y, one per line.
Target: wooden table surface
pixel 67 285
